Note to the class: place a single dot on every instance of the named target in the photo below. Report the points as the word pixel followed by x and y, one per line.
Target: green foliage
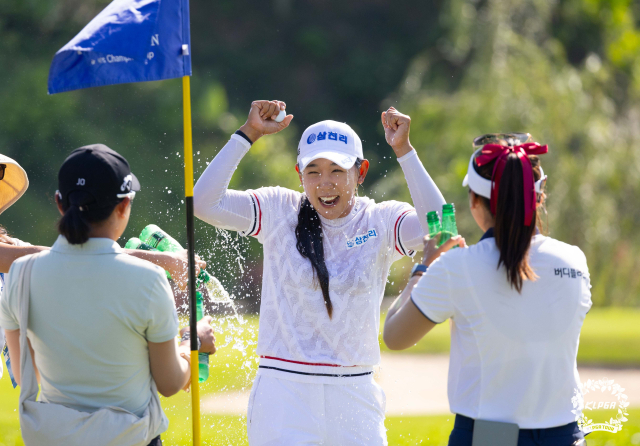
pixel 528 68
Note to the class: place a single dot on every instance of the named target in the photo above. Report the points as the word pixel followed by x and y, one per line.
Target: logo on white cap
pixel 332 140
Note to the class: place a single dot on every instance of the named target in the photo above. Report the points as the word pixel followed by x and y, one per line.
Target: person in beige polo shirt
pixel 102 324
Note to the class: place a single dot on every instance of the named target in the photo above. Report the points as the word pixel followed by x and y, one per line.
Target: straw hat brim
pixel 13 185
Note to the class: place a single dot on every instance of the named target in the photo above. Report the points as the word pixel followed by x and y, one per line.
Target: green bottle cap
pixel 432 217
pixel 133 243
pixel 448 208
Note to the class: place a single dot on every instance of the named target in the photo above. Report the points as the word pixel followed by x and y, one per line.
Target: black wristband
pixel 241 133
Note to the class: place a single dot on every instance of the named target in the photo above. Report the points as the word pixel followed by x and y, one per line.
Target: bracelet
pixel 186 336
pixel 418 268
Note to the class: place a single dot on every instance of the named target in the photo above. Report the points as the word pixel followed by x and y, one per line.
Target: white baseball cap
pixel 335 141
pixel 482 186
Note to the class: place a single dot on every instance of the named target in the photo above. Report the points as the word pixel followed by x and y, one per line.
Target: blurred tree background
pixel 567 71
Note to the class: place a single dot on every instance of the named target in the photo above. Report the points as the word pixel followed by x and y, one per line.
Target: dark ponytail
pixel 512 237
pixel 310 246
pixel 76 223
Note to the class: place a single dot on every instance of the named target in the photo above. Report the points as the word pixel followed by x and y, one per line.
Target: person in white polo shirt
pixel 102 324
pixel 517 301
pixel 327 254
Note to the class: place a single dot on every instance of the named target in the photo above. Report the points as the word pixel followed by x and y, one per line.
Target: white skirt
pixel 284 412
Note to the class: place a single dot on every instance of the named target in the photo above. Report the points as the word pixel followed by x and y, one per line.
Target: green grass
pixel 231 430
pixel 609 336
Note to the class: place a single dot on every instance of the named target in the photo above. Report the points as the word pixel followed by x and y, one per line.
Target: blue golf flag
pixel 129 41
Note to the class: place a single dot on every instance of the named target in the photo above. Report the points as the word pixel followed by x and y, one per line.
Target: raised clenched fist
pixel 261 119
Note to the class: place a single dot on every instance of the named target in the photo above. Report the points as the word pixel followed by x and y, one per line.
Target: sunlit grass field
pixel 610 336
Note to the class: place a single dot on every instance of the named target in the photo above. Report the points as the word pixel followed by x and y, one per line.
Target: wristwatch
pixel 418 267
pixel 186 336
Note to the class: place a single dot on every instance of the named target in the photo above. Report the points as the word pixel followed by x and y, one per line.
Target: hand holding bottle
pixel 177 263
pixel 432 251
pixel 205 334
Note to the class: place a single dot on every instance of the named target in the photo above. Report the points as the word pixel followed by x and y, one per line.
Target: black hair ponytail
pixel 310 246
pixel 513 239
pixel 75 224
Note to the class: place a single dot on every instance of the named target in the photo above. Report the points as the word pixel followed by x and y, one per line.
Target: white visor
pixel 481 186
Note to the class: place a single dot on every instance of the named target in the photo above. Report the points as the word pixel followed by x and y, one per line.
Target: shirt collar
pixel 91 246
pixel 488 234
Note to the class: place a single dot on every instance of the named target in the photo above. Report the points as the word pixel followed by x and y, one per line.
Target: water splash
pixel 232 264
pixel 222 303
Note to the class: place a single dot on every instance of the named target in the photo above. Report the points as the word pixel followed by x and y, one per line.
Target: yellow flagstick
pixel 188 193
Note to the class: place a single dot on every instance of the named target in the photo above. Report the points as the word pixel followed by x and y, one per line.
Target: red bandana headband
pixel 492 151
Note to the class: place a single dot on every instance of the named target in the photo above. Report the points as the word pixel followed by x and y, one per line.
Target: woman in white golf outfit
pixel 327 254
pixel 517 301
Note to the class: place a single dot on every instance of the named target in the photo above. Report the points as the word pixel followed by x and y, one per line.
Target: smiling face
pixel 330 188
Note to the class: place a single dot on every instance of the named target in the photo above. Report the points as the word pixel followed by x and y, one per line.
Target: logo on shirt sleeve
pixel 361 239
pixel 569 273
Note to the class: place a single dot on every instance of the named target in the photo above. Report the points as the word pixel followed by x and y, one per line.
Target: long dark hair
pixel 79 215
pixel 512 237
pixel 310 246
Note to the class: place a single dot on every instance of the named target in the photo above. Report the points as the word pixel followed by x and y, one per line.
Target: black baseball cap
pixel 103 174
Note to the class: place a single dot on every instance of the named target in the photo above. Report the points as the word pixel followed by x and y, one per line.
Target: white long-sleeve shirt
pixel 359 250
